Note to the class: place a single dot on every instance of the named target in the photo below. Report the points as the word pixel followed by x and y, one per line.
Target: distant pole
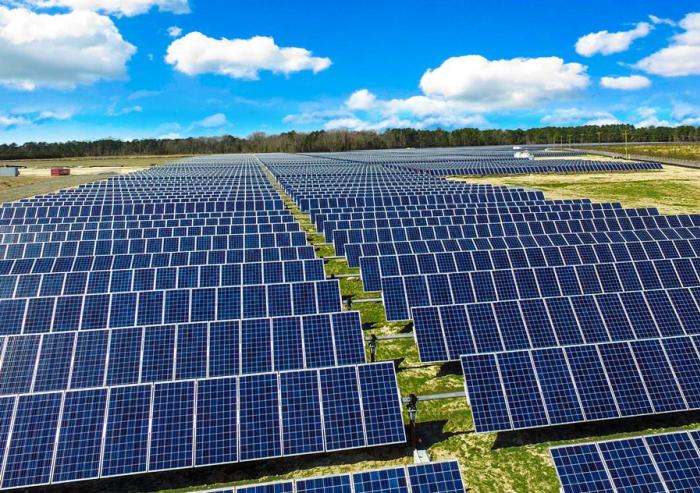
pixel 569 141
pixel 599 133
pixel 627 151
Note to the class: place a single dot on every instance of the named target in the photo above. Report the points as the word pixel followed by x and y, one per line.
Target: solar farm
pixel 210 323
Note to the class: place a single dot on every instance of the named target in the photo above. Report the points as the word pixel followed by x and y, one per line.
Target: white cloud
pixel 686 114
pixel 361 100
pixel 31 118
pixel 174 31
pixel 62 50
pixel 682 56
pixel 213 121
pixel 660 20
pixel 118 7
pixel 607 43
pixel 196 54
pixel 171 135
pixel 649 118
pixel 576 116
pixel 10 121
pixel 456 93
pixel 112 110
pixel 482 84
pixel 629 83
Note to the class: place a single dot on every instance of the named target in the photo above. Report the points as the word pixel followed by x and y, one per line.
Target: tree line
pixel 341 140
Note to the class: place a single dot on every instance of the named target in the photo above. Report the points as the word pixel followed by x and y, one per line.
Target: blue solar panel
pixel 80 440
pixel 217 410
pixel 301 417
pixel 259 415
pixel 30 450
pixel 381 481
pixel 444 477
pixel 172 426
pixel 341 408
pixel 126 436
pixel 666 462
pixel 382 415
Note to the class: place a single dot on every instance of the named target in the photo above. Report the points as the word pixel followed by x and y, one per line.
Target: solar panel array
pixel 489 161
pixel 663 463
pixel 560 311
pixel 433 477
pixel 170 318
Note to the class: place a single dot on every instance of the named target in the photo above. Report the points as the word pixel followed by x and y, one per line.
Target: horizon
pixel 86 70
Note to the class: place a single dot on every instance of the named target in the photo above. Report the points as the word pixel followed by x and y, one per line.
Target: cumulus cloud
pixel 484 84
pixel 628 83
pixel 118 7
pixel 577 116
pixel 649 118
pixel 174 31
pixel 62 50
pixel 682 56
pixel 196 53
pixel 361 100
pixel 607 43
pixel 456 93
pixel 213 121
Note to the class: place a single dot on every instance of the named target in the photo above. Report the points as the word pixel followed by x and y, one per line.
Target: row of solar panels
pixel 177 222
pixel 153 245
pixel 147 233
pixel 353 251
pixel 374 269
pixel 433 477
pixel 499 167
pixel 545 387
pixel 103 358
pixel 329 226
pixel 661 463
pixel 472 213
pixel 103 432
pixel 114 281
pixel 404 293
pixel 154 260
pixel 400 199
pixel 690 225
pixel 157 307
pixel 17 212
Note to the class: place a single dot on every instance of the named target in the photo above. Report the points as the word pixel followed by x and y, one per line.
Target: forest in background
pixel 341 140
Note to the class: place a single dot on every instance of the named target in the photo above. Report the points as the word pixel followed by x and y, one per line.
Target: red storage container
pixel 60 171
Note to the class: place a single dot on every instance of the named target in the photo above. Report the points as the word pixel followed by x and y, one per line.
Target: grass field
pixel 673 190
pixel 689 152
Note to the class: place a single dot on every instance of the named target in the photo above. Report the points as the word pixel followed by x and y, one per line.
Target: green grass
pixel 690 152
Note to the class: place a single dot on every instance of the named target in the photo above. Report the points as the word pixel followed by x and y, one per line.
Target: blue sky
pixel 87 69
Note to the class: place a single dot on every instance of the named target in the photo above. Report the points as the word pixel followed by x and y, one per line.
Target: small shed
pixel 9 170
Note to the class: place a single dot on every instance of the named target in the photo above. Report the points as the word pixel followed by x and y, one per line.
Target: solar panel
pixel 533 388
pixel 665 462
pixel 432 477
